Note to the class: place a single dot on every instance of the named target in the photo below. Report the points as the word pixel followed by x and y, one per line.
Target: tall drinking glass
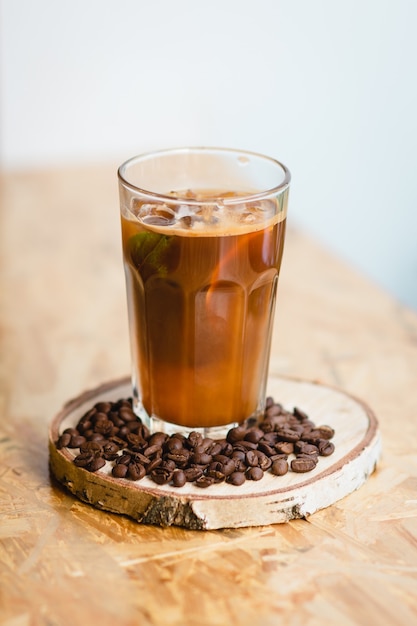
pixel 203 234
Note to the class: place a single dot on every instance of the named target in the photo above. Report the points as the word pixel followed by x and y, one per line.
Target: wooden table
pixel 63 329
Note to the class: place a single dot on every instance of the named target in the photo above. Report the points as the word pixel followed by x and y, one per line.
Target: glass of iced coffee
pixel 203 234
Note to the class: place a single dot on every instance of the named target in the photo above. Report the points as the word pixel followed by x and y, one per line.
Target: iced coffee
pixel 202 269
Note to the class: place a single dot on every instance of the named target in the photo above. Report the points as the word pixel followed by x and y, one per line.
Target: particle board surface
pixel 63 329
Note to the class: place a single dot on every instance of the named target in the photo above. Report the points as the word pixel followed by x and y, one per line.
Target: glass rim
pixel 249 197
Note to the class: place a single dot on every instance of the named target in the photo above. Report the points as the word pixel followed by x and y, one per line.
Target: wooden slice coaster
pixel 271 500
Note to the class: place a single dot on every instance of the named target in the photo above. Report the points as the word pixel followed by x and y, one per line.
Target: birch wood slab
pixel 274 499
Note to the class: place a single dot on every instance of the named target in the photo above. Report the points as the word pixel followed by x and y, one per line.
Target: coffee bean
pixel 303 464
pixel 123 431
pixel 96 437
pixel 180 457
pixel 264 461
pixel 76 441
pixel 158 439
pixel 204 481
pixel 326 432
pixel 115 419
pixel 217 475
pixel 192 473
pixel 277 457
pixel 94 447
pixel 227 448
pixel 200 458
pixel 123 402
pixel 138 457
pixel 325 447
pixel 299 414
pixel 298 428
pixel 245 445
pixel 118 441
pixel 152 465
pixel 311 436
pixel 71 431
pixel 99 417
pixel 85 427
pixel 103 406
pixel 269 438
pixel 195 439
pixel 154 450
pixel 136 471
pixel 96 464
pixel 228 467
pixel 179 479
pixel 127 415
pixel 236 478
pixel 134 428
pixel 254 435
pixel 267 425
pixel 266 449
pixel 254 473
pixel 251 458
pixel 63 441
pixel 240 466
pixel 239 454
pixel 119 470
pixel 124 459
pixel 314 457
pixel 274 409
pixel 236 434
pixel 83 459
pixel 161 475
pixel 110 451
pixel 305 448
pixel 215 466
pixel 287 435
pixel 216 449
pixel 247 452
pixel 279 467
pixel 168 464
pixel 220 458
pixel 284 447
pixel 207 445
pixel 269 401
pixel 173 444
pixel 136 442
pixel 182 438
pixel 142 430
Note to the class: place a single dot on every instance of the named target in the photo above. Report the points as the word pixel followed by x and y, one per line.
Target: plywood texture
pixel 63 329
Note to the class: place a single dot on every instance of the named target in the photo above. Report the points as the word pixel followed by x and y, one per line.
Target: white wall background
pixel 327 86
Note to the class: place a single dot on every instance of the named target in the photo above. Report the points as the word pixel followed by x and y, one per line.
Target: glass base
pixel 155 424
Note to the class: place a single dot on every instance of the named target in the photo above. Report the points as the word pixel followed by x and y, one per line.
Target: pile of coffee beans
pixel 111 432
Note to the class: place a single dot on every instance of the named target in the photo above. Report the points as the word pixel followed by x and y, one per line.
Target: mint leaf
pixel 150 253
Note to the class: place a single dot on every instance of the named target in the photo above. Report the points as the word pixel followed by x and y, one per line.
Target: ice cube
pixel 156 214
